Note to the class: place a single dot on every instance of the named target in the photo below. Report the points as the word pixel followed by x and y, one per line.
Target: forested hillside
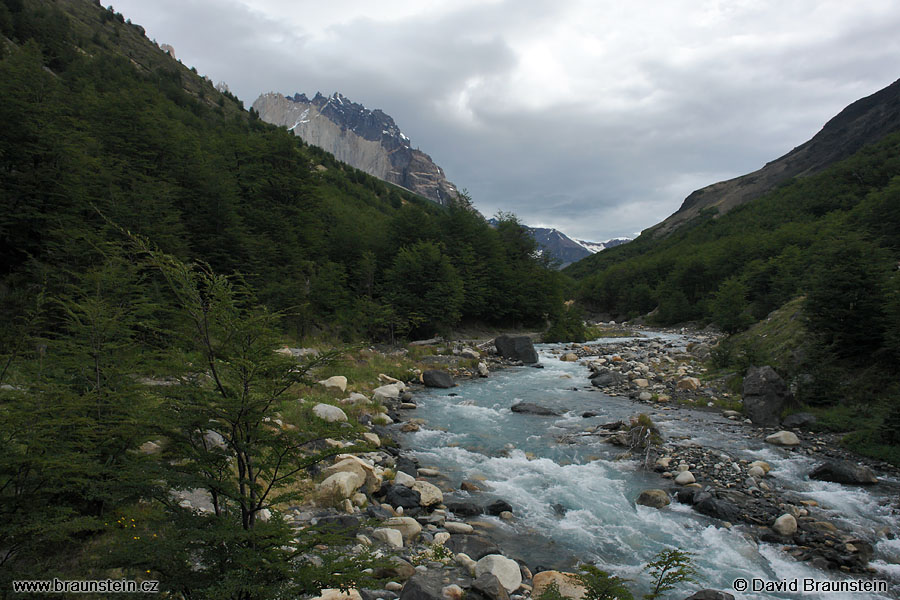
pixel 157 245
pixel 831 240
pixel 101 129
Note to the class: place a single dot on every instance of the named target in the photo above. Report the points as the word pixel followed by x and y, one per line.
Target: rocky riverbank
pixel 667 376
pixel 441 548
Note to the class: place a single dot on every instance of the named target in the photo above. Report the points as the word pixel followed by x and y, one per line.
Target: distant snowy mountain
pixel 563 248
pixel 369 140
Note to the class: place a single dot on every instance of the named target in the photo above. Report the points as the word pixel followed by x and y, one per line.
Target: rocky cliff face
pixel 864 122
pixel 366 139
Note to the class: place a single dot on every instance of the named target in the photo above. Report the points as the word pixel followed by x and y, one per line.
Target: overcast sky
pixel 597 117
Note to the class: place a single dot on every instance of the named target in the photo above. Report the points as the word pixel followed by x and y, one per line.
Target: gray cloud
pixel 594 116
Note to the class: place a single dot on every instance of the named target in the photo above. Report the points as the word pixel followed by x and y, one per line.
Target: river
pixel 576 501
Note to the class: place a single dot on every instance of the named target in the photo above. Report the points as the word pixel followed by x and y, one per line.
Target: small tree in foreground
pixel 226 439
pixel 669 568
pixel 600 585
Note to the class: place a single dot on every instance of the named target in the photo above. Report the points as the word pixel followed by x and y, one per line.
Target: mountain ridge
pixel 367 139
pixel 862 122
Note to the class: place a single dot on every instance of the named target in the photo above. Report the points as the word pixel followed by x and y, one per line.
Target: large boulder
pixel 654 498
pixel 516 347
pixel 764 394
pixel 373 475
pixel 567 583
pixel 474 546
pixel 497 507
pixel 786 525
pixel 435 378
pixel 607 378
pixel 531 408
pixel 423 586
pixel 462 508
pixel 400 495
pixel 390 391
pixel 689 384
pixel 429 494
pixel 843 471
pixel 343 484
pixel 408 527
pixel 504 569
pixel 717 508
pixel 338 382
pixel 783 438
pixel 488 586
pixel 329 413
pixel 392 537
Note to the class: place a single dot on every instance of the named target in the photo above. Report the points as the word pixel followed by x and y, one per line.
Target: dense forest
pixel 158 243
pixel 98 134
pixel 828 242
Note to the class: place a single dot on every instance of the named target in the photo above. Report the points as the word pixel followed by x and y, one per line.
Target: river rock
pixel 475 546
pixel 387 392
pixel 342 485
pixel 706 504
pixel 465 561
pixel 429 493
pixel 435 378
pixel 458 527
pixel 567 583
pixel 463 508
pixel 684 478
pixel 799 420
pixel 373 475
pixel 504 569
pixel 642 383
pixel 401 478
pixel 483 370
pixel 569 357
pixel 402 496
pixel 338 382
pixel 764 395
pixel 497 507
pixel 516 347
pixel 407 465
pixel 534 409
pixel 452 592
pixel 653 498
pixel 783 438
pixel 688 383
pixel 408 527
pixel 329 413
pixel 607 379
pixel 425 585
pixel 843 471
pixel 785 525
pixel 761 464
pixel 392 537
pixel 710 595
pixel 489 586
pixel 756 472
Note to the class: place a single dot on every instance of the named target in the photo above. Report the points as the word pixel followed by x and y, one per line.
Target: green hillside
pixel 832 238
pixel 158 243
pixel 100 129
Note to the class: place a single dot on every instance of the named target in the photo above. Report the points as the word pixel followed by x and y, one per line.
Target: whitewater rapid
pixel 575 502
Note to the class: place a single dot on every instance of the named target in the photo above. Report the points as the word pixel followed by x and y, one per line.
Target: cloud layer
pixel 593 116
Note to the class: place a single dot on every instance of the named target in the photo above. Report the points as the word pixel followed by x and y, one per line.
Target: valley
pixel 273 352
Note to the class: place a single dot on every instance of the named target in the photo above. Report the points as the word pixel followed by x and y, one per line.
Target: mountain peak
pixel 367 139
